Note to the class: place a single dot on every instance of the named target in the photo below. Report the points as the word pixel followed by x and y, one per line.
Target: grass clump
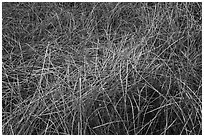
pixel 101 68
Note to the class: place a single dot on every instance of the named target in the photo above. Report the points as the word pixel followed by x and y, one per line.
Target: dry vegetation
pixel 101 68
